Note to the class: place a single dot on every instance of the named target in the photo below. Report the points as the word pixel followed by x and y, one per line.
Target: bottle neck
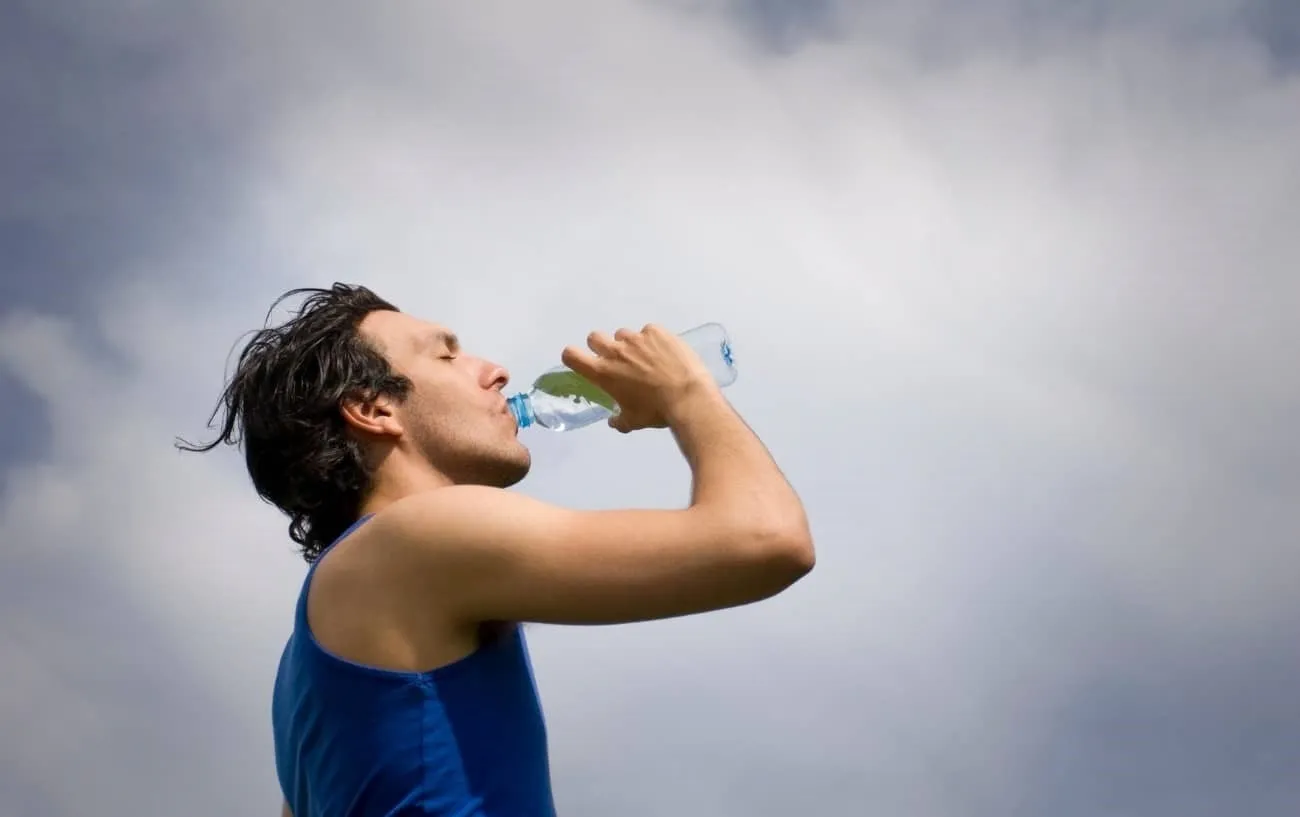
pixel 522 409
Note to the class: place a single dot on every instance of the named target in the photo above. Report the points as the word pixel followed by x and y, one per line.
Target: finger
pixel 624 335
pixel 600 343
pixel 581 361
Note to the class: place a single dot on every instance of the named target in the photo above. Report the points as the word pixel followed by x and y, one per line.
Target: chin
pixel 517 473
pixel 498 465
pixel 511 467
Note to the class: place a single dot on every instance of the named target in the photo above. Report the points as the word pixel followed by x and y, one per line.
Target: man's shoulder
pixel 370 603
pixel 448 504
pixel 432 528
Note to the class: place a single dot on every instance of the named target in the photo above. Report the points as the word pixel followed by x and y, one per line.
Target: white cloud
pixel 1017 324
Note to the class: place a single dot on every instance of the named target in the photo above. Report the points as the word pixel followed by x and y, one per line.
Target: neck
pixel 396 479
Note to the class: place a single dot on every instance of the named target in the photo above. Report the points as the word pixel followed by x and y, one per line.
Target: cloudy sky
pixel 1013 285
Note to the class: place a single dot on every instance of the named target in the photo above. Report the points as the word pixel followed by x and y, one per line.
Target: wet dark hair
pixel 282 406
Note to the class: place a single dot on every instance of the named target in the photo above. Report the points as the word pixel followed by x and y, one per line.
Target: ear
pixel 377 417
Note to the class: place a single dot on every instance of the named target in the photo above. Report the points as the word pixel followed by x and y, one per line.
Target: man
pixel 405 687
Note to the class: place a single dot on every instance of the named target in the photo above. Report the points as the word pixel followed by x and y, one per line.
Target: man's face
pixel 455 415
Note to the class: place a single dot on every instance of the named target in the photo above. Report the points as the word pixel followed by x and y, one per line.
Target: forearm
pixel 734 475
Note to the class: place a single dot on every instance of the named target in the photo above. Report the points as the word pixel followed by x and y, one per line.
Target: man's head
pixel 351 398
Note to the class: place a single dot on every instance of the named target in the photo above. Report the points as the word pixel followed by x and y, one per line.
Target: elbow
pixel 768 550
pixel 798 554
pixel 787 549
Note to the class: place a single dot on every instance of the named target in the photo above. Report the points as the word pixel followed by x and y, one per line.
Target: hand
pixel 648 373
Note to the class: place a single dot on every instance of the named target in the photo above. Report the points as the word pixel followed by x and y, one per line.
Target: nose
pixel 495 376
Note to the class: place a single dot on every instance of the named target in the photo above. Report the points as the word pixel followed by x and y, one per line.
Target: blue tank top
pixel 464 740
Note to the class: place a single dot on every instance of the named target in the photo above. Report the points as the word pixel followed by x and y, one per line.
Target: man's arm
pixel 284 811
pixel 484 554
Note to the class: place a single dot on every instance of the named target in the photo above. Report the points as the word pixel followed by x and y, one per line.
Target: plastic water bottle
pixel 562 400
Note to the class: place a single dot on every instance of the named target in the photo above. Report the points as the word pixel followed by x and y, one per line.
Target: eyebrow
pixel 444 338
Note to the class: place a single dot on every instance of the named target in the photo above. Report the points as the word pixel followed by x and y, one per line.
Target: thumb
pixel 619 423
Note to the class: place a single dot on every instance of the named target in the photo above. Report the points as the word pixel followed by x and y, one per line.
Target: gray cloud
pixel 1012 292
pixel 118 132
pixel 119 128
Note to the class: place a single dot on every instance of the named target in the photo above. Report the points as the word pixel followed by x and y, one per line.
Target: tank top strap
pixel 300 614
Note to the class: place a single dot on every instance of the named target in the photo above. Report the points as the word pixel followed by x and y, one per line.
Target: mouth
pixel 509 415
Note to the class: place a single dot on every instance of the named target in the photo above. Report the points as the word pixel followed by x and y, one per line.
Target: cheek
pixel 425 413
pixel 451 407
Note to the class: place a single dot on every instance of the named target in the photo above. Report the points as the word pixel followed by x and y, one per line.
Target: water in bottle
pixel 562 400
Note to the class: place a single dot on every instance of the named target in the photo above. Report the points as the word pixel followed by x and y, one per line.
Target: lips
pixel 505 411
